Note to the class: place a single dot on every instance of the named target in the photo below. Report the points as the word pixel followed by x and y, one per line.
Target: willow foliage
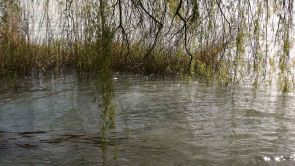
pixel 239 39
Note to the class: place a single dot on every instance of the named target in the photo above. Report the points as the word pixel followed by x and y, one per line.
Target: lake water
pixel 137 120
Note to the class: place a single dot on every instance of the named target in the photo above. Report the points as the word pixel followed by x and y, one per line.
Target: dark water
pixel 135 120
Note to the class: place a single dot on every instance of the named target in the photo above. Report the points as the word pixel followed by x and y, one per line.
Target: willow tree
pixel 229 39
pixel 13 52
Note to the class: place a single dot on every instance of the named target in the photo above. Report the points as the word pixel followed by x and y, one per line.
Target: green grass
pixel 21 57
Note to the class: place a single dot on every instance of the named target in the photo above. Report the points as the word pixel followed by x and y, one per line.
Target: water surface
pixel 137 120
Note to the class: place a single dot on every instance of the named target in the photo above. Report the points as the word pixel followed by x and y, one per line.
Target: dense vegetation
pixel 229 40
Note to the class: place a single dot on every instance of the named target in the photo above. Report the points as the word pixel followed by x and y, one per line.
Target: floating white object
pixel 277 158
pixel 115 78
pixel 266 158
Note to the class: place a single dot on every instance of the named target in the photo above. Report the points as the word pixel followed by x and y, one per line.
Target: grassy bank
pixel 215 41
pixel 18 56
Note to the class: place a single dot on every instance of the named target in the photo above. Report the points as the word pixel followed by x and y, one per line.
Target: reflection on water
pixel 104 87
pixel 135 120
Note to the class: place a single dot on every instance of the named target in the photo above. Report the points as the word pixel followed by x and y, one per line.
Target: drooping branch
pixel 160 26
pixel 223 15
pixel 120 26
pixel 185 33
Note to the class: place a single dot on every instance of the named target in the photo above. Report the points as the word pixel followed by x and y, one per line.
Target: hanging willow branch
pixel 241 35
pixel 160 26
pixel 120 26
pixel 185 33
